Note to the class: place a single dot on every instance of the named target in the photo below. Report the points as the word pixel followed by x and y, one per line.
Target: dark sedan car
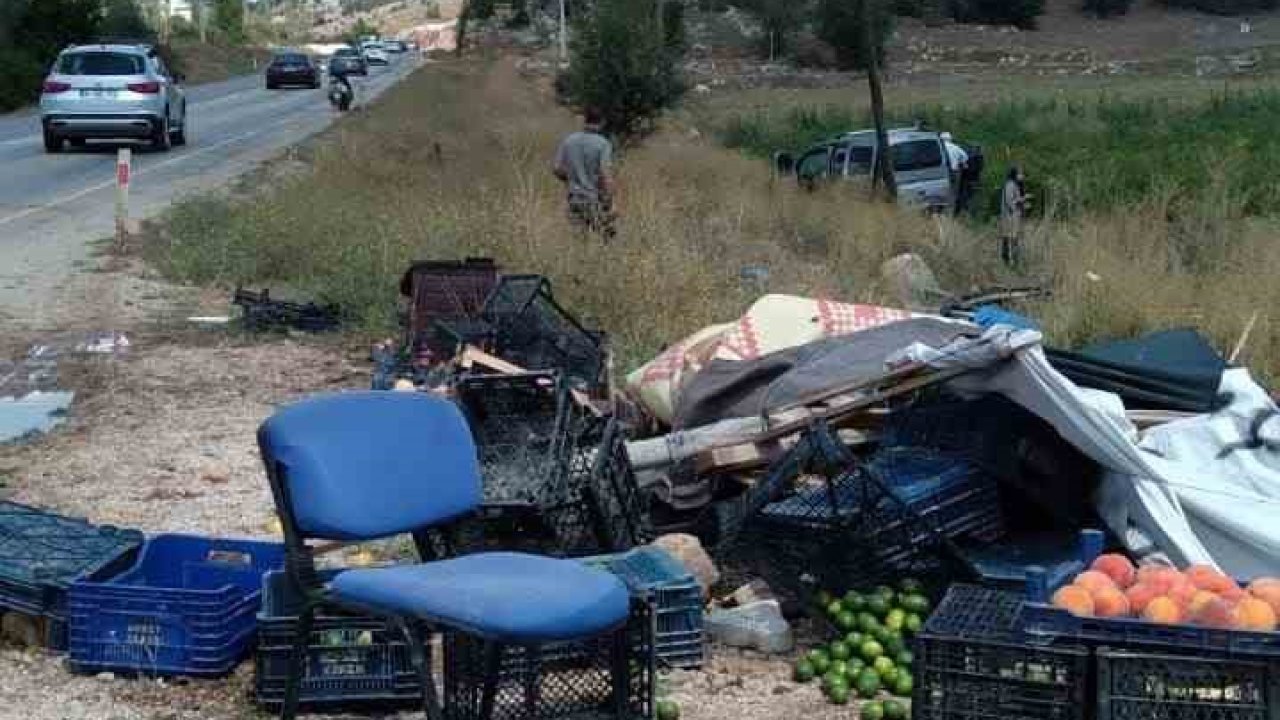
pixel 292 69
pixel 348 61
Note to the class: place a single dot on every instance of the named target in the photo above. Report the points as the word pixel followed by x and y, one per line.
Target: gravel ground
pixel 163 438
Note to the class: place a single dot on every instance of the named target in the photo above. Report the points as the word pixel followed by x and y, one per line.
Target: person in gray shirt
pixel 1013 209
pixel 584 164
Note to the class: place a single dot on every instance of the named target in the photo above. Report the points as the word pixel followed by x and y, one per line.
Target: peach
pixel 1255 614
pixel 1199 601
pixel 1268 593
pixel 1110 602
pixel 1163 610
pixel 1182 592
pixel 1074 599
pixel 1093 581
pixel 1220 614
pixel 1117 567
pixel 1263 583
pixel 1139 595
pixel 1160 577
pixel 1207 577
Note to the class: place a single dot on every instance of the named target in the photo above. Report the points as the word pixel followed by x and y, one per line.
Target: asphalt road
pixel 53 206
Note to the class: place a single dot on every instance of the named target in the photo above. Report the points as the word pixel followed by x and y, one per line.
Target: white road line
pixel 142 171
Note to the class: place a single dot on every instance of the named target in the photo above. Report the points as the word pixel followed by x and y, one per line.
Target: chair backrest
pixel 364 465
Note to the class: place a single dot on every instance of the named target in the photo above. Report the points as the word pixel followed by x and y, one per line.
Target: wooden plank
pixel 854 386
pixel 472 355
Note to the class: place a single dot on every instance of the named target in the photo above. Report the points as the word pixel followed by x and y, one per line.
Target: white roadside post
pixel 124 175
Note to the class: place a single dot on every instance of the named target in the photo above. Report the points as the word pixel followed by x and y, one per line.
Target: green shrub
pixel 1019 13
pixel 1225 7
pixel 779 20
pixel 1107 8
pixel 20 77
pixel 622 66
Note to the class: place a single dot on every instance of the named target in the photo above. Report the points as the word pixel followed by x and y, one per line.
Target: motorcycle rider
pixel 338 77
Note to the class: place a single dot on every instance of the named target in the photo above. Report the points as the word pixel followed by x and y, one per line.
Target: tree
pixel 858 29
pixel 123 19
pixel 622 64
pixel 228 19
pixel 779 20
pixel 361 29
pixel 1019 13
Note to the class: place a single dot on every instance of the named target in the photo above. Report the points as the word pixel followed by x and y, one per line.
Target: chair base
pixel 606 677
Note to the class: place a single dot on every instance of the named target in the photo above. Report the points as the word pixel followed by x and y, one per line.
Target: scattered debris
pixel 32 414
pixel 758 625
pixel 261 313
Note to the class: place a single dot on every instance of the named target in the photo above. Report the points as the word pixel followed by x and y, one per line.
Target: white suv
pixel 112 92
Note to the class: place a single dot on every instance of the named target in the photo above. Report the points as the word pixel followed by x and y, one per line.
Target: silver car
pixel 112 92
pixel 921 164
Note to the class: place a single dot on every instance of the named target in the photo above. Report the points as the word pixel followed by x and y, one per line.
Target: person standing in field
pixel 1013 210
pixel 584 163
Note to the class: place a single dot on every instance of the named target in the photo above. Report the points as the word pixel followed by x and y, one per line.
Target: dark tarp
pixel 729 389
pixel 1168 370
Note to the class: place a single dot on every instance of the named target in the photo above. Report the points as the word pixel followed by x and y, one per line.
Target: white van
pixel 921 164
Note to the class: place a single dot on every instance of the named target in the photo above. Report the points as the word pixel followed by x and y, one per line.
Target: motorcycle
pixel 340 94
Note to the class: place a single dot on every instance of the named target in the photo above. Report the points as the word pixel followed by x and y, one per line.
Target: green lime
pixel 838 694
pixel 881 664
pixel 903 686
pixel 668 710
pixel 821 664
pixel 904 659
pixel 856 665
pixel 854 602
pixel 911 586
pixel 870 650
pixel 894 710
pixel 833 679
pixel 846 621
pixel 884 590
pixel 917 604
pixel 881 634
pixel 894 645
pixel 840 651
pixel 818 653
pixel 872 710
pixel 868 683
pixel 804 671
pixel 912 624
pixel 834 608
pixel 823 598
pixel 889 676
pixel 895 619
pixel 839 667
pixel 878 605
pixel 867 622
pixel 854 638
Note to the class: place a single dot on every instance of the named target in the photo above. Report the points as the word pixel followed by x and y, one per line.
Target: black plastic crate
pixel 353 661
pixel 523 427
pixel 563 680
pixel 600 508
pixel 533 331
pixel 967 679
pixel 42 554
pixel 1148 686
pixel 444 290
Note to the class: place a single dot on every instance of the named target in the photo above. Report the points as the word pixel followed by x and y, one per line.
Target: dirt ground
pixel 162 438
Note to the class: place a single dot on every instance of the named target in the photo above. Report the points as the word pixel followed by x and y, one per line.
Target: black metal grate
pixel 608 676
pixel 532 330
pixel 1148 686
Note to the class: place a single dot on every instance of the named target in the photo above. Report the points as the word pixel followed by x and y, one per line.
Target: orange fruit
pixel 1074 599
pixel 1163 610
pixel 1093 581
pixel 1110 602
pixel 1255 614
pixel 1117 567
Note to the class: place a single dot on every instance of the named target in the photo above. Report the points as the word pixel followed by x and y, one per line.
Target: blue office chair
pixel 366 465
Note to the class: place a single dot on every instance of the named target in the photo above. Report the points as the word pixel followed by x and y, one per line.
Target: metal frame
pixel 301 571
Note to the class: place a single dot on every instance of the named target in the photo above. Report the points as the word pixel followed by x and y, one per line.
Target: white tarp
pixel 1170 487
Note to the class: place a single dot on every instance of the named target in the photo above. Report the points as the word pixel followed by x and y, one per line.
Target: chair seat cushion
pixel 507 597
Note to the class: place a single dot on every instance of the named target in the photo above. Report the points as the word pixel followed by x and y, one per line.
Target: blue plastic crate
pixel 353 661
pixel 187 607
pixel 1008 563
pixel 1044 623
pixel 677 598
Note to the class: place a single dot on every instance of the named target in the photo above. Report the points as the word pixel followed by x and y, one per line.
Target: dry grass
pixel 694 214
